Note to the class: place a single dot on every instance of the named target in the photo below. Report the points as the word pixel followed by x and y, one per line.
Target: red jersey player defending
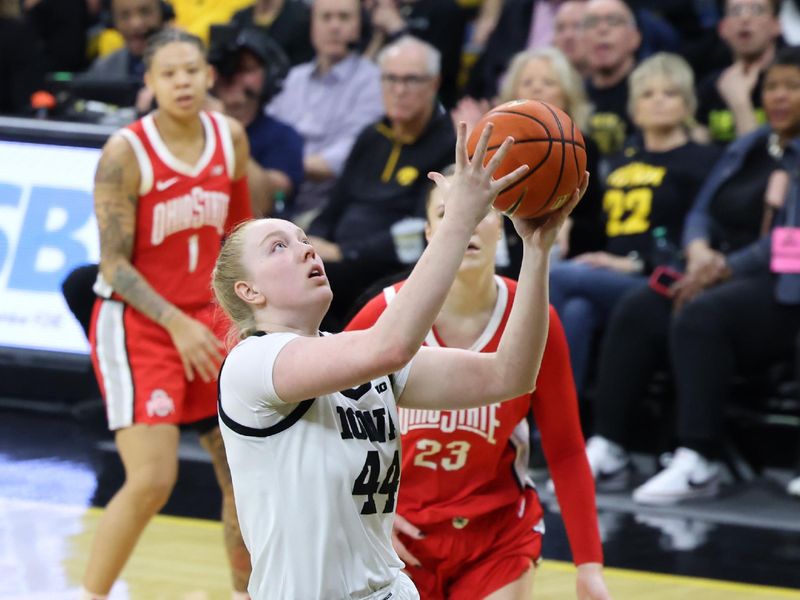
pixel 469 523
pixel 167 189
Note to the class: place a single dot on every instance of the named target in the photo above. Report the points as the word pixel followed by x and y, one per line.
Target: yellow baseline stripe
pixel 714 584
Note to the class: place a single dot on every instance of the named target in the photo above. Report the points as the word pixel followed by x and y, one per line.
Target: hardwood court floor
pixel 56 471
pixel 182 559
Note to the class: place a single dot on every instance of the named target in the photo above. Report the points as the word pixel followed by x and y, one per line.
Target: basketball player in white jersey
pixel 309 420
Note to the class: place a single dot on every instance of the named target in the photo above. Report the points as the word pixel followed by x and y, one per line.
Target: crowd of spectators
pixel 348 104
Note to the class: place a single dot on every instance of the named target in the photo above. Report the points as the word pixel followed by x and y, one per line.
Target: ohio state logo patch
pixel 160 404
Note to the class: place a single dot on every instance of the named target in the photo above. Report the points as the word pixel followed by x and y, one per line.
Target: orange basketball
pixel 545 139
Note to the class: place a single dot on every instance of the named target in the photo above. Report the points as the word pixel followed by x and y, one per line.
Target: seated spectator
pixel 568 33
pixel 441 23
pixel 21 61
pixel 729 98
pixel 649 186
pixel 729 314
pixel 385 178
pixel 545 74
pixel 612 39
pixel 135 20
pixel 285 21
pixel 328 101
pixel 103 38
pixel 250 70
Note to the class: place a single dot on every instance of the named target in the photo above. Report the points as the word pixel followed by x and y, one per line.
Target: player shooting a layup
pixel 310 421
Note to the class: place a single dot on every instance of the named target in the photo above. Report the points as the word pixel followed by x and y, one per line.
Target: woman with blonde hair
pixel 735 312
pixel 648 191
pixel 545 74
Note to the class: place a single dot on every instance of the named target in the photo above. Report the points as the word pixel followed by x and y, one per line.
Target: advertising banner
pixel 47 227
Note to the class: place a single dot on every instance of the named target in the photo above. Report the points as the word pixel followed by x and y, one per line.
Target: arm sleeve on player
pixel 555 408
pixel 239 208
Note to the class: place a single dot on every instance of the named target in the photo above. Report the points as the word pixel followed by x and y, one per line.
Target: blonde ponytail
pixel 227 271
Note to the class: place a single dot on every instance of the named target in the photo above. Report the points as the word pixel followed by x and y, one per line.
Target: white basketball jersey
pixel 315 482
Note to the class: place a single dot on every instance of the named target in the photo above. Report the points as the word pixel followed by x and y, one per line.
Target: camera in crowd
pixel 226 45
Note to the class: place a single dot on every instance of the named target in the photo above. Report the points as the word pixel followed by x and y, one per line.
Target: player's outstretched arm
pixel 116 194
pixel 349 359
pixel 455 378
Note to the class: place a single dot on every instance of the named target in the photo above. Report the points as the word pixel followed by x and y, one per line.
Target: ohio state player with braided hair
pixel 469 522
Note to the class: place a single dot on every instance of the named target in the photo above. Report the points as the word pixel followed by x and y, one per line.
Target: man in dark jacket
pixel 384 179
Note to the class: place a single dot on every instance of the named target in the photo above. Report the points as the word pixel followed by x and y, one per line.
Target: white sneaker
pixel 610 464
pixel 793 488
pixel 688 476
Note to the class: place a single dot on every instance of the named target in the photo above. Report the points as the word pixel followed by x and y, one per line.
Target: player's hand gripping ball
pixel 545 139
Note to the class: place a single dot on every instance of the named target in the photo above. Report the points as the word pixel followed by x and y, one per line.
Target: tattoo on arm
pixel 109 172
pixel 115 206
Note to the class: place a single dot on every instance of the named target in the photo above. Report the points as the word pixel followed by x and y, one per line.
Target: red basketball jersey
pixel 461 463
pixel 183 211
pixel 466 463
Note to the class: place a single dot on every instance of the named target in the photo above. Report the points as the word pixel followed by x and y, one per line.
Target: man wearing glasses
pixel 729 100
pixel 611 39
pixel 385 179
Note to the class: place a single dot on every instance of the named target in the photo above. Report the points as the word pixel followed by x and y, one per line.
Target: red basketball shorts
pixel 139 369
pixel 470 561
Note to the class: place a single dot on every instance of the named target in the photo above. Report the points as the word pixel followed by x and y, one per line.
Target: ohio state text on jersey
pixel 182 211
